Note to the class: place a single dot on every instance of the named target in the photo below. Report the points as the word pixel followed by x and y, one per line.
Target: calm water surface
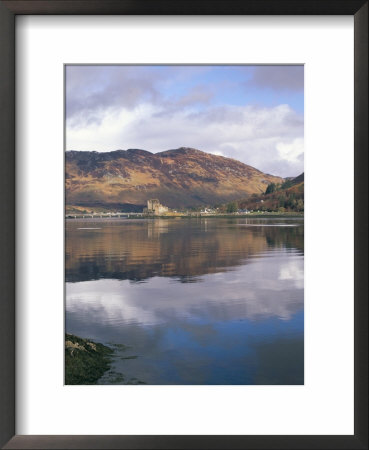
pixel 190 301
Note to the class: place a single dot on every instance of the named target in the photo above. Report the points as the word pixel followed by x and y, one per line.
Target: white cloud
pixel 270 139
pixel 106 135
pixel 291 151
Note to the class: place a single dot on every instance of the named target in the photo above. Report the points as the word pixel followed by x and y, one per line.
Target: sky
pixel 254 114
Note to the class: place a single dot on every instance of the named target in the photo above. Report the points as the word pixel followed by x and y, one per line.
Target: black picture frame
pixel 8 11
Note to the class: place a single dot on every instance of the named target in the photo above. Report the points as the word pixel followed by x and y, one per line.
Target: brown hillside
pixel 180 178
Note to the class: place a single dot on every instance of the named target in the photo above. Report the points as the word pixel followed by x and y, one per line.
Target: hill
pixel 286 196
pixel 182 178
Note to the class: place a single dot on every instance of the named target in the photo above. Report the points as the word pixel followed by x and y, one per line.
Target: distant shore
pixel 185 216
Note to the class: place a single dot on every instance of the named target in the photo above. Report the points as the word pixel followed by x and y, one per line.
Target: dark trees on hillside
pixel 271 188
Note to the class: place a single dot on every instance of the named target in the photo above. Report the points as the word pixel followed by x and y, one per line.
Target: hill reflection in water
pixel 210 301
pixel 185 249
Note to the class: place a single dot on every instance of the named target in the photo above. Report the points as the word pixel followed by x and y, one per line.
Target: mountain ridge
pixel 180 178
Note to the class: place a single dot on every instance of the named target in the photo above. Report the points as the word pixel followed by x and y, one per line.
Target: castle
pixel 154 208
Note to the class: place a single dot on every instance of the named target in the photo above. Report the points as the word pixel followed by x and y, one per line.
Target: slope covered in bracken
pixel 181 178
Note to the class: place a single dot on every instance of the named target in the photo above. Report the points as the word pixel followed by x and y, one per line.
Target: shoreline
pixel 131 216
pixel 86 361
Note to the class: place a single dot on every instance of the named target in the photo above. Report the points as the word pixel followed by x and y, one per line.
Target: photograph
pixel 184 224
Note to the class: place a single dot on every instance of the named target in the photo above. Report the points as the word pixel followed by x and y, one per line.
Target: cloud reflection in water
pixel 266 288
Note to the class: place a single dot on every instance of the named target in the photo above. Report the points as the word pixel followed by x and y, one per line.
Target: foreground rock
pixel 85 361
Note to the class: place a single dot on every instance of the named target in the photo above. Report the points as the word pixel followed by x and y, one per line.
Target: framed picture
pixel 155 238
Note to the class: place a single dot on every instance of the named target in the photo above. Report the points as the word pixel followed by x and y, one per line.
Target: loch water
pixel 190 300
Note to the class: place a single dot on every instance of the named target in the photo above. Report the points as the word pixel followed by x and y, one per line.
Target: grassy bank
pixel 85 361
